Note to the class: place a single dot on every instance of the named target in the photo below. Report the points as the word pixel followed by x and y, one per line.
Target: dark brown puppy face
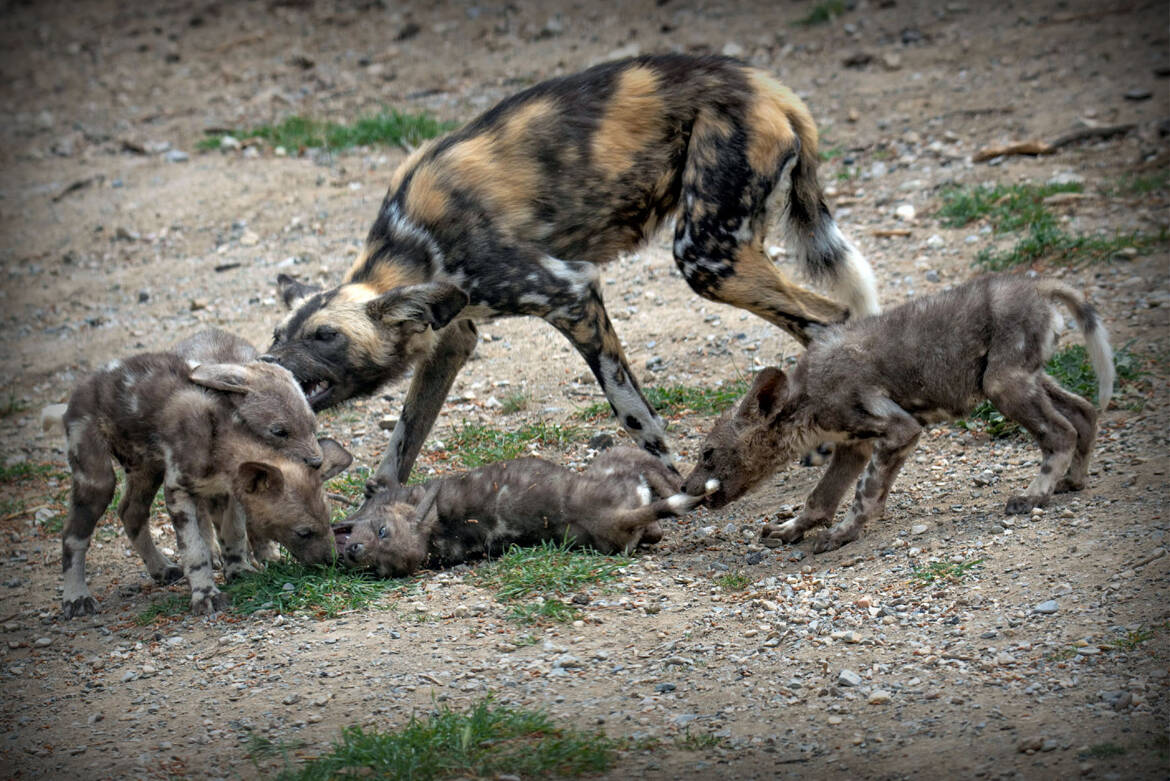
pixel 383 535
pixel 351 340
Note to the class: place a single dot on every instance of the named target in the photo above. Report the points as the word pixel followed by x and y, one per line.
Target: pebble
pixel 1047 607
pixel 879 697
pixel 665 687
pixel 906 212
pixel 1138 94
pixel 919 528
pixel 848 678
pixel 176 156
pixel 42 642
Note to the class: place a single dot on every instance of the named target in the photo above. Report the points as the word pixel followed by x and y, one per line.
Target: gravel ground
pixel 1048 658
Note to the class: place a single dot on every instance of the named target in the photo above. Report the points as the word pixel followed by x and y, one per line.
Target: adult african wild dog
pixel 613 507
pixel 872 385
pixel 512 214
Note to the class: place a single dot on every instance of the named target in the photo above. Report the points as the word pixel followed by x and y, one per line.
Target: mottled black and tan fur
pixel 872 385
pixel 612 507
pixel 512 214
pixel 202 432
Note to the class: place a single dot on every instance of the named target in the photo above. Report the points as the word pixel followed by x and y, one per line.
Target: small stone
pixel 176 156
pixel 42 642
pixel 249 239
pixel 932 276
pixel 197 304
pixel 919 528
pixel 387 423
pixel 891 61
pixel 848 678
pixel 143 296
pixel 291 699
pixel 1138 94
pixel 1048 607
pixel 1050 744
pixel 906 212
pixel 1030 744
pixel 879 697
pixel 733 49
pixel 663 688
pixel 229 142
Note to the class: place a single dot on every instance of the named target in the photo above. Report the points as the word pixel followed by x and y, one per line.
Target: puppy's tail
pixel 53 419
pixel 819 245
pixel 1096 338
pixel 670 507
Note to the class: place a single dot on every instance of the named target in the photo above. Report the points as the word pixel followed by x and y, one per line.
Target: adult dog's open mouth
pixel 317 392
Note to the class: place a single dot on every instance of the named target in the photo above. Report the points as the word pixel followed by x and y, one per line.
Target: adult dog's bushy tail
pixel 1096 338
pixel 821 248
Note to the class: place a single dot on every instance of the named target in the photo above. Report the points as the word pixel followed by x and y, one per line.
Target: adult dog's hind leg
pixel 428 390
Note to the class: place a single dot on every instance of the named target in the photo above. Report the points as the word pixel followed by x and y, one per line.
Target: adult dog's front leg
pixel 428 390
pixel 583 320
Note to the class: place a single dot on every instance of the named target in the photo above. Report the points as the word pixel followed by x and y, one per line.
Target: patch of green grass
pixel 846 174
pixel 1072 369
pixel 821 13
pixel 169 606
pixel 258 747
pixel 12 405
pixel 831 153
pixel 1132 639
pixel 475 444
pixel 352 485
pixel 677 399
pixel 1049 243
pixel 288 587
pixel 1006 207
pixel 733 581
pixel 483 741
pixel 940 572
pixel 543 611
pixel 1063 655
pixel 1104 751
pixel 28 470
pixel 388 127
pixel 515 402
pixel 551 571
pixel 1138 184
pixel 697 741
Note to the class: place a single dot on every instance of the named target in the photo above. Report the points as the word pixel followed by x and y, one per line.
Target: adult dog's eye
pixel 278 431
pixel 325 334
pixel 382 532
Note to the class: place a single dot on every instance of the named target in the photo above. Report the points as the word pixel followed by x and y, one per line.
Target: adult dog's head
pixel 352 339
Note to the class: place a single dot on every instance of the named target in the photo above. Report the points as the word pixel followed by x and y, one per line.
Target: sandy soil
pixel 119 236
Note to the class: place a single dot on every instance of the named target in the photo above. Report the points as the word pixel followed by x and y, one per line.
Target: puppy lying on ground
pixel 871 385
pixel 203 432
pixel 610 507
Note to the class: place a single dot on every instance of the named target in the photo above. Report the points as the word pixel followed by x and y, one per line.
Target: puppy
pixel 873 384
pixel 610 507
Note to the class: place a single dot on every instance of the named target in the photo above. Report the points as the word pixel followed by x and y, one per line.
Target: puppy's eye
pixel 304 534
pixel 325 334
pixel 278 431
pixel 382 532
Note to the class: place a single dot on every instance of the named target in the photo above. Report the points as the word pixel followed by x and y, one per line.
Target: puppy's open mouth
pixel 317 392
pixel 341 532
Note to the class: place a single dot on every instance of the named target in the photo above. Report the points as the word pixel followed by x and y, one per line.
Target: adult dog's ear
pixel 433 304
pixel 766 394
pixel 292 292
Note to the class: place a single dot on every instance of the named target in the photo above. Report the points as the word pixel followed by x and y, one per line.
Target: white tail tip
pixel 711 486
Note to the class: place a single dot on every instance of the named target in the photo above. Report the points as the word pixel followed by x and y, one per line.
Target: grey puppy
pixel 200 431
pixel 871 386
pixel 610 507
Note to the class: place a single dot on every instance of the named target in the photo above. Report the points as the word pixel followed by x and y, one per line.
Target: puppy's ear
pixel 292 292
pixel 336 458
pixel 434 305
pixel 230 377
pixel 256 477
pixel 766 394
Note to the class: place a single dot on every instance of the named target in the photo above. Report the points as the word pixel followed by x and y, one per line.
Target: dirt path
pixel 119 236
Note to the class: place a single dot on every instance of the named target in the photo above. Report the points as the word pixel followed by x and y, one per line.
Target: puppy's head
pixel 352 339
pixel 285 501
pixel 746 444
pixel 384 535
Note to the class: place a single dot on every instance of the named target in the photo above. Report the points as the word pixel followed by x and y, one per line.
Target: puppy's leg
pixel 900 433
pixel 141 487
pixel 1083 417
pixel 211 518
pixel 234 529
pixel 428 390
pixel 93 488
pixel 1022 397
pixel 847 462
pixel 570 300
pixel 205 597
pixel 630 525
